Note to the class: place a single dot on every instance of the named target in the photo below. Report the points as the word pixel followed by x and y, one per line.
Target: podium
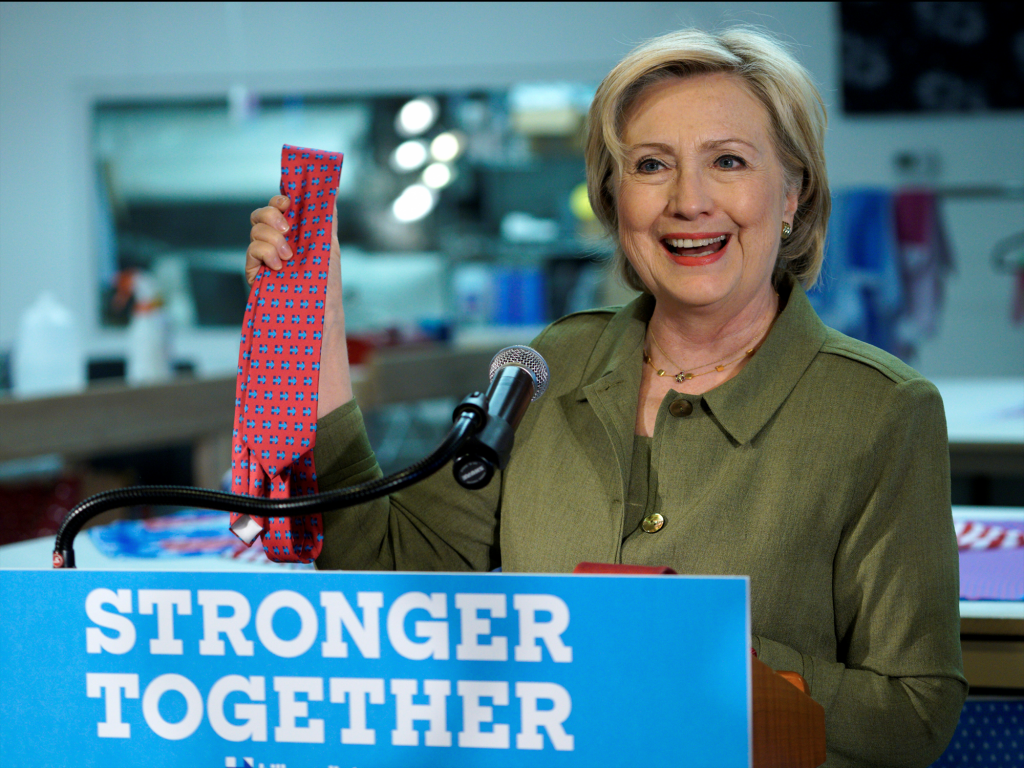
pixel 788 725
pixel 296 669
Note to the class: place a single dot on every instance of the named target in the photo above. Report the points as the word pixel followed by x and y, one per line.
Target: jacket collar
pixel 741 406
pixel 618 348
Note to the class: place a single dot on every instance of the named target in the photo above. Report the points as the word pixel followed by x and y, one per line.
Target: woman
pixel 714 424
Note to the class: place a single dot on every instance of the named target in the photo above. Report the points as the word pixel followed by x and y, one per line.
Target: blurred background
pixel 135 140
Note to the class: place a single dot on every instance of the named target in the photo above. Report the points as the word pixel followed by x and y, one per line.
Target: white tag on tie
pixel 246 529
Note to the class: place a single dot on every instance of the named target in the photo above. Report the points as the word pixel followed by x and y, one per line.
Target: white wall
pixel 56 58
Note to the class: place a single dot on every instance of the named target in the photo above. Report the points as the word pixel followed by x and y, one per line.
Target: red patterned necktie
pixel 279 364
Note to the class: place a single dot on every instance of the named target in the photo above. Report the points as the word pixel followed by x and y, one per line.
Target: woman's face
pixel 702 196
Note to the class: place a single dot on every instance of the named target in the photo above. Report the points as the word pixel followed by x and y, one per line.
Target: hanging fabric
pixel 279 364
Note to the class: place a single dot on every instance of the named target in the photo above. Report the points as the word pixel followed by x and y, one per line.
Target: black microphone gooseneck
pixel 503 407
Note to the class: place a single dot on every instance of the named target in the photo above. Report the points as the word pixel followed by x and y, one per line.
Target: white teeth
pixel 694 243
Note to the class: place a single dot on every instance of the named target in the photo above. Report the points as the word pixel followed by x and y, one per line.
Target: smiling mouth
pixel 695 248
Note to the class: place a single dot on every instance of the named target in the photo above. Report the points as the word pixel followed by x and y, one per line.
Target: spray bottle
pixel 149 338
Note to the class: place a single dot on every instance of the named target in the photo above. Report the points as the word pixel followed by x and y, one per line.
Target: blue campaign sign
pixel 288 670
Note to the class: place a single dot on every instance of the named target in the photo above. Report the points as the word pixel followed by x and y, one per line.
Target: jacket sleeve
pixel 435 525
pixel 894 694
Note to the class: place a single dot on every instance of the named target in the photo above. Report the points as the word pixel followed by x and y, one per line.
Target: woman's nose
pixel 689 196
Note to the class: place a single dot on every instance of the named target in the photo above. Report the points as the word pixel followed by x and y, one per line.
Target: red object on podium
pixel 621 569
pixel 789 726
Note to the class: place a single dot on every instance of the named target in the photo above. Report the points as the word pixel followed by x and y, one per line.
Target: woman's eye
pixel 729 162
pixel 649 165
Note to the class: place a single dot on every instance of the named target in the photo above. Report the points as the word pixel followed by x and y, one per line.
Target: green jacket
pixel 821 471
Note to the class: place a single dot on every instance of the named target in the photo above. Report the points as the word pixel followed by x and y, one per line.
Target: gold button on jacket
pixel 681 407
pixel 653 523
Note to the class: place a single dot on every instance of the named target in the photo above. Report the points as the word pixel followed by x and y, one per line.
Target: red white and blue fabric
pixel 279 364
pixel 991 559
pixel 977 535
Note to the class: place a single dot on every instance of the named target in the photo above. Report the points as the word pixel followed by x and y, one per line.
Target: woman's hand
pixel 269 247
pixel 267 238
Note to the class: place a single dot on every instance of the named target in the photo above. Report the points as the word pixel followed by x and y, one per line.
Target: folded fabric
pixel 886 264
pixel 861 291
pixel 188 533
pixel 975 535
pixel 925 261
pixel 994 572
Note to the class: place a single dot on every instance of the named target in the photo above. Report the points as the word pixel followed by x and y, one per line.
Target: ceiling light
pixel 437 175
pixel 417 116
pixel 414 203
pixel 447 146
pixel 409 155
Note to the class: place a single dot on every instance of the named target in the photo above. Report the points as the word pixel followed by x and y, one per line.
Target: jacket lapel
pixel 611 382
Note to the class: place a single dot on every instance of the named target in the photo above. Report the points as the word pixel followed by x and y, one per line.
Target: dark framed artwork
pixel 932 57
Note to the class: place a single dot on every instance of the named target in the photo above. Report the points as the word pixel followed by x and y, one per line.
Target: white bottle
pixel 48 358
pixel 149 337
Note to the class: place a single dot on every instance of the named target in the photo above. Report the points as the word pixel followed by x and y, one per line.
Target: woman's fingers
pixel 268 244
pixel 258 254
pixel 268 247
pixel 268 234
pixel 273 214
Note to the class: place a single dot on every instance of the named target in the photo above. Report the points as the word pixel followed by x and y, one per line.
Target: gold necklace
pixel 716 367
pixel 685 375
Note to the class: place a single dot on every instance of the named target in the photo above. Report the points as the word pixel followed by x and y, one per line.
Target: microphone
pixel 519 376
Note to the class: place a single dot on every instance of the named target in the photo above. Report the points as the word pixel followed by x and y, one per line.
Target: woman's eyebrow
pixel 718 143
pixel 709 145
pixel 649 145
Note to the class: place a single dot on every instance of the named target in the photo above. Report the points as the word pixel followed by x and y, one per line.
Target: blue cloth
pixel 861 291
pixel 990 733
pixel 520 296
pixel 187 533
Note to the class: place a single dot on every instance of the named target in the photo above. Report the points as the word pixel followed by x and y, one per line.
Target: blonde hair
pixel 796 116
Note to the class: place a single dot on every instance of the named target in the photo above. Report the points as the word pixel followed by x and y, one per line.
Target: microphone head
pixel 529 360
